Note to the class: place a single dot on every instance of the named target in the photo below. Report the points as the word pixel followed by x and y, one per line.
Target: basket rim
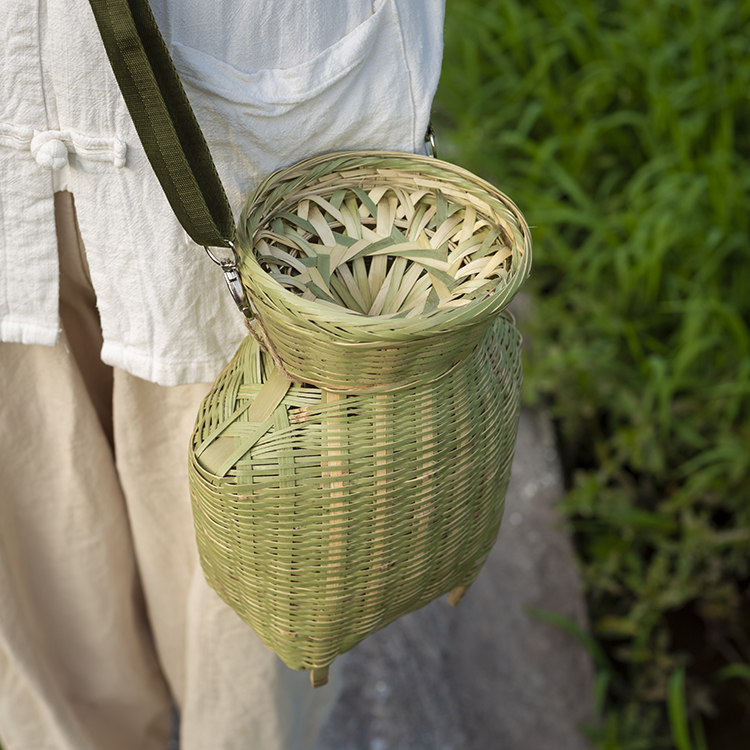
pixel 259 284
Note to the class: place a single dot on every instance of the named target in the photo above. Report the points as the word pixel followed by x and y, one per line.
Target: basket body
pixel 345 512
pixel 350 464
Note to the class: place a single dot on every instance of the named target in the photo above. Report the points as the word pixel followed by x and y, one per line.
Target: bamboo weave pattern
pixel 357 468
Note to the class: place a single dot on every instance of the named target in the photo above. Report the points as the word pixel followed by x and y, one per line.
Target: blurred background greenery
pixel 621 128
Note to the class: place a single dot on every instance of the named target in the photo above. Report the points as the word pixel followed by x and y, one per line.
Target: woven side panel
pixel 321 517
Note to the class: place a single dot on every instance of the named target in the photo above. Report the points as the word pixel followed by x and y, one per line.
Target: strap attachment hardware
pixel 232 277
pixel 429 142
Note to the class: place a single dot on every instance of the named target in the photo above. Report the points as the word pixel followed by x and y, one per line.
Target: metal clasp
pixel 429 139
pixel 232 277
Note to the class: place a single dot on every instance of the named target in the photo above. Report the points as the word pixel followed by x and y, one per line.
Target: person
pixel 113 325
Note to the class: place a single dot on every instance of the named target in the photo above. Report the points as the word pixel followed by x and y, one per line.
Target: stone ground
pixel 484 675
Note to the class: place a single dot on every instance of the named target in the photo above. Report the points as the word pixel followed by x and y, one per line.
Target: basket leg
pixel 456 595
pixel 319 676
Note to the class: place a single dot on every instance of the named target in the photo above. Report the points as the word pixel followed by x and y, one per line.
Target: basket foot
pixel 456 595
pixel 319 676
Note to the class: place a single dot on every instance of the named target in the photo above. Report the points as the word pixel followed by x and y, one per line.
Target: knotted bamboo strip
pixel 365 474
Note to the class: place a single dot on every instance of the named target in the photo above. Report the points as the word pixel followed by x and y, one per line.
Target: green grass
pixel 622 130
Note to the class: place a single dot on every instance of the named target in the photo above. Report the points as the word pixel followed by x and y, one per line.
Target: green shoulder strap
pixel 164 120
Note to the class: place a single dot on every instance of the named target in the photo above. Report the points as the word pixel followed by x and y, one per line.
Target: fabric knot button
pixel 53 154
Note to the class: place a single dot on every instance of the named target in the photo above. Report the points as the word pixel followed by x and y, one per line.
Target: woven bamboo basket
pixel 350 464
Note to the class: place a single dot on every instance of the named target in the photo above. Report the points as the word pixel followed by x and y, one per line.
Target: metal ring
pixel 224 263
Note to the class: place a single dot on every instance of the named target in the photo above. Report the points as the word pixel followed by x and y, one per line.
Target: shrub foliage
pixel 622 130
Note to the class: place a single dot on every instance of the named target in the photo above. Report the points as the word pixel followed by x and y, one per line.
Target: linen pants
pixel 105 616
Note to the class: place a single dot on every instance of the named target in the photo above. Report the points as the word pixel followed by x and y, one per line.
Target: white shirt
pixel 271 82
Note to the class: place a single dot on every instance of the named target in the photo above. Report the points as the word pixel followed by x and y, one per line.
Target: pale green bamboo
pixel 364 473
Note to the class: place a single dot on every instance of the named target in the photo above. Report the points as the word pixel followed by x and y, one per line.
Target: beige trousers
pixel 105 616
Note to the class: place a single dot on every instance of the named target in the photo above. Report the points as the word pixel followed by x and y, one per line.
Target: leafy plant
pixel 678 716
pixel 622 130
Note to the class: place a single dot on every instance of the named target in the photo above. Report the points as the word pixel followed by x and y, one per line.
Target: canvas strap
pixel 164 120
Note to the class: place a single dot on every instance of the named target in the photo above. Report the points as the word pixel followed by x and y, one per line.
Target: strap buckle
pixel 232 278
